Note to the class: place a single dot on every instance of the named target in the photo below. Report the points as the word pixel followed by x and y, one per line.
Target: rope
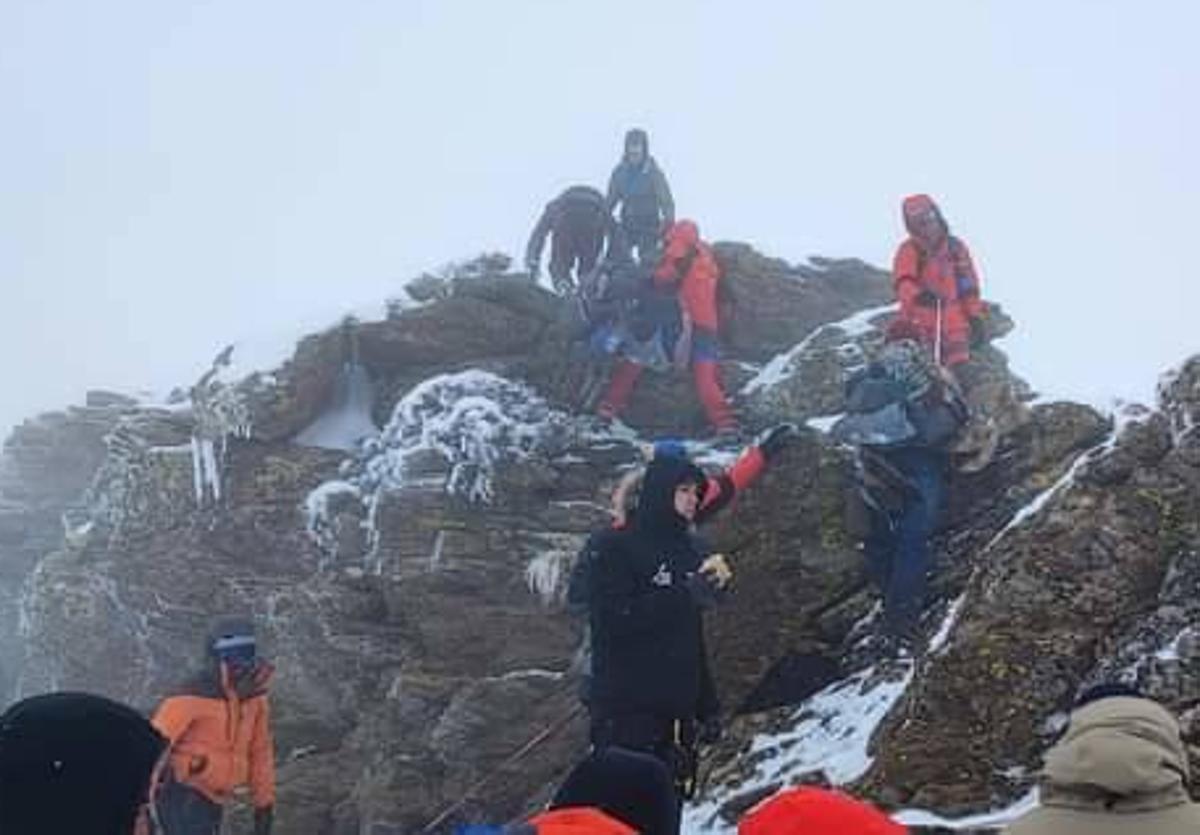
pixel 545 734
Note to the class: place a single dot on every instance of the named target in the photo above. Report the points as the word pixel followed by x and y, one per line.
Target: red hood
pixel 816 811
pixel 917 204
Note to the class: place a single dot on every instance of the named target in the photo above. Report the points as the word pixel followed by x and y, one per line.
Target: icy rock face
pixel 410 589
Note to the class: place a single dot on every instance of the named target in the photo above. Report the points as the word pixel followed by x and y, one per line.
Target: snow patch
pixel 779 367
pixel 824 423
pixel 831 733
pixel 937 644
pixel 998 818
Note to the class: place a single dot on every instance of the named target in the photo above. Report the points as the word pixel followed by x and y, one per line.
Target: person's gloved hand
pixel 716 569
pixel 710 731
pixel 928 298
pixel 263 819
pixel 773 441
pixel 979 336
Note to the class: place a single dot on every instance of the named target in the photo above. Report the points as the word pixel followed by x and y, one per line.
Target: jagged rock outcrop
pixel 410 591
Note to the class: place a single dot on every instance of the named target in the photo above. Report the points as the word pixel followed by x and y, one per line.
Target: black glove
pixel 703 590
pixel 979 336
pixel 773 441
pixel 927 298
pixel 710 731
pixel 263 818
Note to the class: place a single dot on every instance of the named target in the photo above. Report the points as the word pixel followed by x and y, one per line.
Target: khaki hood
pixel 1119 753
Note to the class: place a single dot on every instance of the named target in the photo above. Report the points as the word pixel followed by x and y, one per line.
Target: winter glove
pixel 979 335
pixel 927 298
pixel 710 731
pixel 773 441
pixel 263 818
pixel 716 569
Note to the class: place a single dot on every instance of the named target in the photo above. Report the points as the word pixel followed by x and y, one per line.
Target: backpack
pixel 901 399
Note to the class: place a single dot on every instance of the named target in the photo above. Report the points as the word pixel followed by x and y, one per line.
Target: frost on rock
pixel 830 733
pixel 474 421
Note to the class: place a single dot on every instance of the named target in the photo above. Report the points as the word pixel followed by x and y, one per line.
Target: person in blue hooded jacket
pixel 639 187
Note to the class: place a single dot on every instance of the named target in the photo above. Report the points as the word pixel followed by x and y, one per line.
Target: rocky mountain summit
pixel 398 502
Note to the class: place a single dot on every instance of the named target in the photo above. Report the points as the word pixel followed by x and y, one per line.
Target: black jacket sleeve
pixel 621 607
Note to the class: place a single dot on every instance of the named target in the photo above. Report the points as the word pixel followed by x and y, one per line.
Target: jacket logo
pixel 662 577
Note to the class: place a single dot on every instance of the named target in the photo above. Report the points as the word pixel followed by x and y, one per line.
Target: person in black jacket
pixel 652 689
pixel 581 229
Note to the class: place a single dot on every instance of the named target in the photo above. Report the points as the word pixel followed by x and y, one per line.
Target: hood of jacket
pixel 1119 754
pixel 656 502
pixel 913 207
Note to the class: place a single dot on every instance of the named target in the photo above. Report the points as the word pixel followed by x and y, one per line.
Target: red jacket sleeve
pixel 906 278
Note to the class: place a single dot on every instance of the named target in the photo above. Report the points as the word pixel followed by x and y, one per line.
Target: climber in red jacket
pixel 688 269
pixel 936 283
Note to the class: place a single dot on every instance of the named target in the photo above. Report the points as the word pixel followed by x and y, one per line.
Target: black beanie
pixel 74 763
pixel 633 787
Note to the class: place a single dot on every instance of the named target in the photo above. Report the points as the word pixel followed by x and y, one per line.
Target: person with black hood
pixel 581 229
pixel 78 764
pixel 219 731
pixel 640 188
pixel 652 690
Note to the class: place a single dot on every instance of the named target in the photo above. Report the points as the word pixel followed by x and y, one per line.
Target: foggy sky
pixel 179 174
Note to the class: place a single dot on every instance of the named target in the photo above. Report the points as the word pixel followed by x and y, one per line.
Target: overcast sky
pixel 178 174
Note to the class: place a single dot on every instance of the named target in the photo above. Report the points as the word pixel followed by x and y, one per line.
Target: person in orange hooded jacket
pixel 689 269
pixel 813 811
pixel 936 281
pixel 219 733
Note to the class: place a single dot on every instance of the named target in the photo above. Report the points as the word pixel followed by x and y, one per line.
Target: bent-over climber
pixel 218 728
pixel 687 272
pixel 902 412
pixel 581 229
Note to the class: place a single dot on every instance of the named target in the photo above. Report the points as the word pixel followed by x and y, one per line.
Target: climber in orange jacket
pixel 936 281
pixel 812 811
pixel 218 729
pixel 688 269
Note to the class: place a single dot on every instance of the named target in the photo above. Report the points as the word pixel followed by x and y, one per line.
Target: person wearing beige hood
pixel 1121 768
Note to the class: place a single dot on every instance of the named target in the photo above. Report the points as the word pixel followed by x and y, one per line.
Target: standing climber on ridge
pixel 689 271
pixel 640 188
pixel 936 284
pixel 581 228
pixel 219 733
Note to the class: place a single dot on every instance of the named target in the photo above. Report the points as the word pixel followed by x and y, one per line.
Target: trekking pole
pixel 937 339
pixel 546 733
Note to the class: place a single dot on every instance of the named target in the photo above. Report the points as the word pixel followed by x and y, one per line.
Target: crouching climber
pixel 902 412
pixel 652 690
pixel 581 229
pixel 1120 767
pixel 938 291
pixel 688 272
pixel 219 732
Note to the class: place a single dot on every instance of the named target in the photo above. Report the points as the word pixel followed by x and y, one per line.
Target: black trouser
pixel 673 741
pixel 573 248
pixel 184 811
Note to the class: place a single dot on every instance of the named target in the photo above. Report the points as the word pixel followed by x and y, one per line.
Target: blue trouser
pixel 897 551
